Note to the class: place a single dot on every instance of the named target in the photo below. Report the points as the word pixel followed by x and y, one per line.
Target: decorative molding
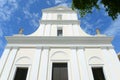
pixel 101 40
pixel 60 22
pixel 95 60
pixel 57 52
pixel 26 59
pixel 57 46
pixel 59 9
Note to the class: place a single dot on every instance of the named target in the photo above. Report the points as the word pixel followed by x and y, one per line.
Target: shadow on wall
pixel 119 55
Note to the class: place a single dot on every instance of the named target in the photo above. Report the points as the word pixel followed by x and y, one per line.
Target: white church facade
pixel 59 50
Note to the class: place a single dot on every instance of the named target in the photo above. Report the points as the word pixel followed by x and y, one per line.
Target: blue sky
pixel 15 14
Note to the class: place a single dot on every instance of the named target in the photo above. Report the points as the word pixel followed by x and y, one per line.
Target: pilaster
pixel 74 64
pixel 82 64
pixel 8 65
pixel 36 64
pixel 3 59
pixel 44 64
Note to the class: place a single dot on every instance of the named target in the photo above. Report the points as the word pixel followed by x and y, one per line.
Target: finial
pixel 97 31
pixel 21 31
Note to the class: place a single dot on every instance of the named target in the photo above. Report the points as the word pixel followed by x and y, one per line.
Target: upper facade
pixel 59 21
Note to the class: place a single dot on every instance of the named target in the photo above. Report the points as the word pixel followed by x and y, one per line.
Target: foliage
pixel 112 7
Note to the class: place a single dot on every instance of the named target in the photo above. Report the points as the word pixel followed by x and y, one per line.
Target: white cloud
pixel 64 4
pixel 114 28
pixel 34 23
pixel 5 30
pixel 1 44
pixel 1 32
pixel 90 26
pixel 2 2
pixel 87 27
pixel 29 3
pixel 7 7
pixel 59 1
pixel 33 17
pixel 98 21
pixel 48 2
pixel 28 14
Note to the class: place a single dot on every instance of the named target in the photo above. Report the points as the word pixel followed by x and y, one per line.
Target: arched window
pixel 97 68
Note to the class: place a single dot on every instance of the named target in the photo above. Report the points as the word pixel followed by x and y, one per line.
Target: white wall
pixel 50 29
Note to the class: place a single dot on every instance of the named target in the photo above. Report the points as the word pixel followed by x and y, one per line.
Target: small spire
pixel 97 31
pixel 21 31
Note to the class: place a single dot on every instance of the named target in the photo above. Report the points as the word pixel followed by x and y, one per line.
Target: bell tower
pixel 59 21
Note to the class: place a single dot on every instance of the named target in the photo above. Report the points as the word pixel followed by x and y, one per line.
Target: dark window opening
pixel 59 32
pixel 59 71
pixel 98 73
pixel 21 73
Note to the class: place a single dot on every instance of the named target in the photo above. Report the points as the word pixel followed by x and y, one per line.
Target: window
pixel 21 73
pixel 59 71
pixel 98 73
pixel 59 17
pixel 59 32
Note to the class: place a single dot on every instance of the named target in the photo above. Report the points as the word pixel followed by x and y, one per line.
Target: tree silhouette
pixel 112 7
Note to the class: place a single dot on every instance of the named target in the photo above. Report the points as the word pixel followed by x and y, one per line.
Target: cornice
pixel 59 22
pixel 58 46
pixel 58 11
pixel 59 41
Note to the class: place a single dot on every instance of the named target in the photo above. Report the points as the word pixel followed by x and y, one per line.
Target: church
pixel 59 50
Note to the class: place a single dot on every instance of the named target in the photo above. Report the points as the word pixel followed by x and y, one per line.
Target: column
pixel 74 64
pixel 44 64
pixel 4 58
pixel 82 64
pixel 8 65
pixel 35 65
